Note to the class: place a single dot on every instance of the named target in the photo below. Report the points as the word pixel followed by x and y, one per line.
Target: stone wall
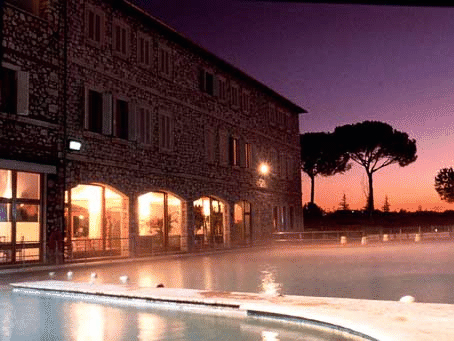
pixel 134 168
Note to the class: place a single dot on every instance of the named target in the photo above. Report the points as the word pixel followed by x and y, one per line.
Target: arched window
pixel 159 222
pixel 209 215
pixel 242 227
pixel 97 221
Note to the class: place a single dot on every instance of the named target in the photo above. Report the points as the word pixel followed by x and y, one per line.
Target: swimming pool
pixel 389 272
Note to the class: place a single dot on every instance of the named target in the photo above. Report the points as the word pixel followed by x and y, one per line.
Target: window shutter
pixel 223 148
pixel 132 124
pixel 202 79
pixel 107 113
pixel 209 145
pixel 85 99
pixel 242 152
pixel 22 92
pixel 215 86
pixel 148 125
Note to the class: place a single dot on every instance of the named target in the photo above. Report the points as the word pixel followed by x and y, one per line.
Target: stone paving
pixel 359 319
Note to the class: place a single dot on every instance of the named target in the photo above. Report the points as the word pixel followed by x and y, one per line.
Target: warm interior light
pixel 264 168
pixel 75 145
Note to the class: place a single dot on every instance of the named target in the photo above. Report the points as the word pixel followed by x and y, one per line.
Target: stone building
pixel 131 139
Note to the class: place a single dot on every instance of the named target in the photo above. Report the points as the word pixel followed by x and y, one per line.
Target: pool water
pixel 32 317
pixel 383 272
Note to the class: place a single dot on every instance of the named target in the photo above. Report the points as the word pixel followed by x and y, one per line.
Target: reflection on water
pixel 269 336
pixel 56 318
pixel 90 322
pixel 269 286
pixel 425 271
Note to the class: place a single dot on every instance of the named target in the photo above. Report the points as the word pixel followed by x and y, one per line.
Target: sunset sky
pixel 344 64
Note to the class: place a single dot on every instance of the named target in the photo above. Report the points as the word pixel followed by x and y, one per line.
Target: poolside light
pixel 52 274
pixel 124 279
pixel 69 275
pixel 93 277
pixel 407 299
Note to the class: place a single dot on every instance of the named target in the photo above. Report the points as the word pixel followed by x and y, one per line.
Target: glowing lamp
pixel 74 145
pixel 264 169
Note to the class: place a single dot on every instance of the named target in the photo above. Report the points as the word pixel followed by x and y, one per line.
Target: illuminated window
pixel 208 221
pixel 242 229
pixel 160 220
pixel 97 221
pixel 20 214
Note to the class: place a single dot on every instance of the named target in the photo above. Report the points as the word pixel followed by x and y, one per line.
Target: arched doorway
pixel 242 227
pixel 209 216
pixel 159 217
pixel 97 221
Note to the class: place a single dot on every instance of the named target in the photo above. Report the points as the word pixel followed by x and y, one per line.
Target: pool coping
pixel 353 318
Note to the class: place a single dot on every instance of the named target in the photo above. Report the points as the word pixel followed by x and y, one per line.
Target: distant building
pixel 132 140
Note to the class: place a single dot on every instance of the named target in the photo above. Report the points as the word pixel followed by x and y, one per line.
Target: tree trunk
pixel 312 188
pixel 370 199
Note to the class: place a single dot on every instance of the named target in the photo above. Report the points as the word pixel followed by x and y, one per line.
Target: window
pixel 144 125
pixel 290 170
pixel 248 155
pixel 282 166
pixel 14 91
pixel 234 151
pixel 223 148
pixel 234 96
pixel 222 88
pixel 144 50
pixel 31 6
pixel 120 36
pixel 291 217
pixel 94 22
pixel 210 143
pixel 165 62
pixel 207 81
pixel 272 114
pixel 20 214
pixel 245 101
pixel 165 132
pixel 121 119
pixel 94 117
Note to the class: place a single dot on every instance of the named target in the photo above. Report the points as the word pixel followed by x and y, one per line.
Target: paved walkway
pixel 360 319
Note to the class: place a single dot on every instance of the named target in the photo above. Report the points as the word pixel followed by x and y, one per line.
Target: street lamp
pixel 264 169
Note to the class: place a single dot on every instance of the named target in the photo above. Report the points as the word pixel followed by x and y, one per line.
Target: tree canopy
pixel 321 155
pixel 375 145
pixel 444 184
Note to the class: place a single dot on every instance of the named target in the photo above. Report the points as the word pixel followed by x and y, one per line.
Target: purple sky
pixel 343 64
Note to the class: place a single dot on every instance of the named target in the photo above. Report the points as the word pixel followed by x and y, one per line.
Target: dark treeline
pixel 341 220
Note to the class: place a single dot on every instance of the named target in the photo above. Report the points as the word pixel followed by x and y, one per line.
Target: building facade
pixel 129 139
